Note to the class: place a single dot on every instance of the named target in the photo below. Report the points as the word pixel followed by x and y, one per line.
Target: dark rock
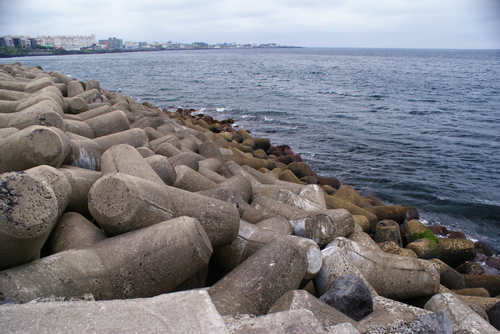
pixel 480 257
pixel 349 295
pixel 411 212
pixel 482 248
pixel 287 159
pixel 328 181
pixel 310 179
pixel 494 315
pixel 457 235
pixel 438 230
pixel 301 169
pixel 472 268
pixel 493 262
pixel 271 151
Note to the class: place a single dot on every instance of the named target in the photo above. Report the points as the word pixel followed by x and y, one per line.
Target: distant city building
pixel 63 42
pixel 115 43
pixel 76 43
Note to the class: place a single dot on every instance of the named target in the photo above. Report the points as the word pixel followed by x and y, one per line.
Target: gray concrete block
pixel 181 312
pixel 286 322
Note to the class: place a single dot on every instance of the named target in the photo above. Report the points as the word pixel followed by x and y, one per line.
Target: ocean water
pixel 412 127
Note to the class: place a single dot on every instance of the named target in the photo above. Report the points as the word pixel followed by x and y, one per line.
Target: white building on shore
pixel 64 42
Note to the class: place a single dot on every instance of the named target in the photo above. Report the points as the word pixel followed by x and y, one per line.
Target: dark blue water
pixel 413 127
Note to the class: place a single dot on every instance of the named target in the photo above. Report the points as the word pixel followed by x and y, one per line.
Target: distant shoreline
pixel 62 52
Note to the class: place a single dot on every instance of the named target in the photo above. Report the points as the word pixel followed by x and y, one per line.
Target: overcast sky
pixel 471 24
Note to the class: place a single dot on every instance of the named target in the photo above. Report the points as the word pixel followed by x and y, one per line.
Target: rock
pixel 457 235
pixel 494 315
pixel 493 262
pixel 482 248
pixel 472 268
pixel 349 295
pixel 438 230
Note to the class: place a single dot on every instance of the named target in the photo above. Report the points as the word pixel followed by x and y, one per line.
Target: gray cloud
pixel 353 23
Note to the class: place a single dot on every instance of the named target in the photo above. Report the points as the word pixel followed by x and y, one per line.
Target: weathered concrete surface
pixel 181 312
pixel 73 231
pixel 256 284
pixel 33 146
pixel 393 276
pixel 122 203
pixel 301 299
pixel 286 322
pixel 31 203
pixel 141 263
pixel 462 316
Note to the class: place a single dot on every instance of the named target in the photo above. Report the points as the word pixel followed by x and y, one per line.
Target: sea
pixel 413 127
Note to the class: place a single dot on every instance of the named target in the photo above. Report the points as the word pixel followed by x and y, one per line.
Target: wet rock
pixel 472 268
pixel 457 235
pixel 438 230
pixel 493 262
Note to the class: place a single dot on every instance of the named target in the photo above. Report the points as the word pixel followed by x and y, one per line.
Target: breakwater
pixel 105 198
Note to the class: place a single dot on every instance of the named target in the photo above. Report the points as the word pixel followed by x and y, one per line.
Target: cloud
pixel 383 23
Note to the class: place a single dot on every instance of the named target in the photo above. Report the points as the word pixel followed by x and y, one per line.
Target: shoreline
pixel 62 52
pixel 237 196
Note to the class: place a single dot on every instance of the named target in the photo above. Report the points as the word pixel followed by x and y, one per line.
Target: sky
pixel 442 24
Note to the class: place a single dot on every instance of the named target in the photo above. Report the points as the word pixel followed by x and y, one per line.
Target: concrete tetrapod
pixel 123 158
pixel 84 152
pixel 392 276
pixel 33 146
pixel 121 203
pixel 32 201
pixel 250 238
pixel 182 312
pixel 38 114
pixel 257 283
pixel 141 263
pixel 73 231
pixel 462 316
pixel 335 264
pixel 301 299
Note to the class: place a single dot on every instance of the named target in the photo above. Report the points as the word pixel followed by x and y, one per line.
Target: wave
pixel 424 112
